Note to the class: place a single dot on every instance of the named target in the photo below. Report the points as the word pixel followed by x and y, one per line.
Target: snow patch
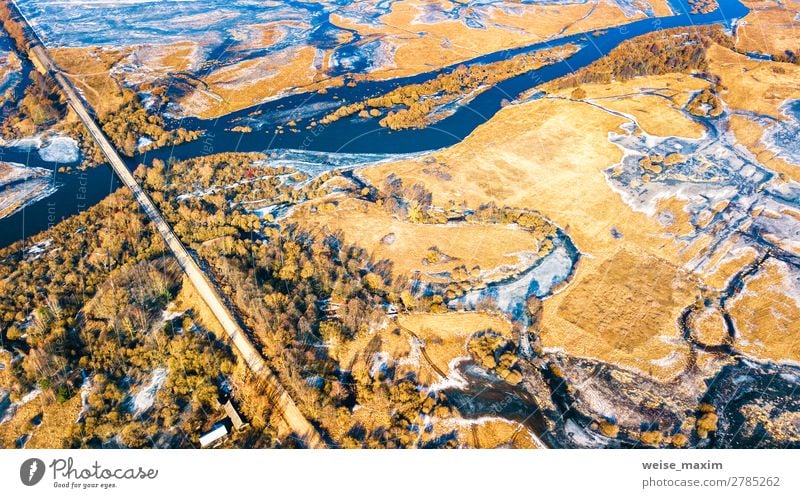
pixel 52 149
pixel 454 379
pixel 60 150
pixel 146 396
pixel 143 142
pixel 12 409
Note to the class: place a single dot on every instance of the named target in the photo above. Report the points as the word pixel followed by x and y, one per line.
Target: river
pixel 77 192
pixel 738 384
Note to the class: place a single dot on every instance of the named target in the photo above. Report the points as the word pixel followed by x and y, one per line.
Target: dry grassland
pixel 550 155
pixel 495 433
pixel 367 225
pixel 301 68
pixel 446 335
pixel 53 431
pixel 654 101
pixel 189 299
pixel 249 82
pixel 753 85
pixel 767 314
pixel 443 336
pixel 89 70
pixel 771 27
pixel 624 314
pixel 749 133
pixel 452 41
pixel 708 327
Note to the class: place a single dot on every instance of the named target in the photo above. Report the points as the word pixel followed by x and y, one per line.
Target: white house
pixel 216 433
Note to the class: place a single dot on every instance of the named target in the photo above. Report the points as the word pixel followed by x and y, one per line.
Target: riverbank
pixel 357 135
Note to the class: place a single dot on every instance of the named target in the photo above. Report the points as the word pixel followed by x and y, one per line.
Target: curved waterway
pixel 740 384
pixel 74 192
pixel 357 135
pixel 747 387
pixel 353 135
pixel 540 280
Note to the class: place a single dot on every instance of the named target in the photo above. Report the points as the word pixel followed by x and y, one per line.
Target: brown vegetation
pixel 657 163
pixel 703 6
pixel 92 303
pixel 625 314
pixel 706 104
pixel 42 105
pixel 552 154
pixel 706 421
pixel 766 315
pixel 609 429
pixel 13 28
pixel 496 354
pixel 652 438
pixel 292 289
pixel 130 122
pixel 119 109
pixel 433 250
pixel 656 102
pixel 414 106
pixel 754 85
pixel 770 28
pixel 676 50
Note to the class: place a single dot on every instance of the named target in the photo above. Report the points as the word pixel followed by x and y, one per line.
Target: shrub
pixel 609 429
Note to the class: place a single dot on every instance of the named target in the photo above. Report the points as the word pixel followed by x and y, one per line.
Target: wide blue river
pixel 353 135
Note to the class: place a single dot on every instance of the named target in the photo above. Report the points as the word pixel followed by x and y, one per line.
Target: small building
pixel 236 419
pixel 216 433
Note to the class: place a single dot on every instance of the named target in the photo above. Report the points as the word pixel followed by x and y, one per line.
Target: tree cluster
pixel 131 121
pixel 414 106
pixel 680 50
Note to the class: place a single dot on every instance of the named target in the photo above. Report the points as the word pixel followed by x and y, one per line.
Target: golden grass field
pixel 754 85
pixel 749 133
pixel 188 299
pixel 767 314
pixel 654 102
pixel 304 68
pixel 156 60
pixel 252 81
pixel 444 338
pixel 449 42
pixel 52 432
pixel 495 433
pixel 444 43
pixel 446 335
pixel 366 225
pixel 550 155
pixel 229 88
pixel 726 262
pixel 89 70
pixel 760 87
pixel 770 27
pixel 624 314
pixel 708 327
